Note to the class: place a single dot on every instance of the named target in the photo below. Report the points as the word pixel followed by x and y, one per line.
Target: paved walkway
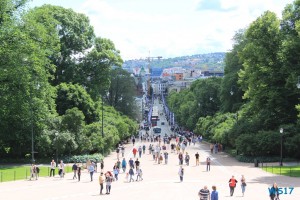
pixel 160 181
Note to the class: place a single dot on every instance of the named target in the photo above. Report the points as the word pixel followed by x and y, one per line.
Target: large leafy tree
pixel 27 98
pixel 121 92
pixel 75 34
pixel 261 77
pixel 94 70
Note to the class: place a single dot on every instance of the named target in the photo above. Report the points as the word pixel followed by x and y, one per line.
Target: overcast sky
pixel 169 28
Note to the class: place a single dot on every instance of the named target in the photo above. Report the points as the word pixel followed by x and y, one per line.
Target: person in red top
pixel 134 151
pixel 232 185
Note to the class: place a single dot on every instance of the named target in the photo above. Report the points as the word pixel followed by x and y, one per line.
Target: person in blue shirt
pixel 214 193
pixel 91 170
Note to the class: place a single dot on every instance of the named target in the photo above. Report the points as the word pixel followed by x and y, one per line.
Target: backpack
pixel 37 170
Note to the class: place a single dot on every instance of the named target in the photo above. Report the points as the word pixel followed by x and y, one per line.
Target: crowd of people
pixel 159 151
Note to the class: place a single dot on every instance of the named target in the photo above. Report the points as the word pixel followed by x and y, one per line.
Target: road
pixel 160 181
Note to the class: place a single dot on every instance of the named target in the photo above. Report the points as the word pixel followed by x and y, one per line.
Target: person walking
pixel 52 168
pixel 140 150
pixel 91 170
pixel 274 192
pixel 102 165
pixel 187 159
pixel 208 163
pixel 181 173
pixel 166 155
pixel 32 171
pixel 197 159
pixel 123 150
pixel 139 174
pixel 204 193
pixel 124 165
pixel 232 185
pixel 79 172
pixel 131 174
pixel 101 181
pixel 137 163
pixel 214 193
pixel 108 181
pixel 74 168
pixel 243 184
pixel 211 146
pixel 134 151
pixel 118 152
pixel 116 172
pixel 61 168
pixel 144 149
pixel 180 157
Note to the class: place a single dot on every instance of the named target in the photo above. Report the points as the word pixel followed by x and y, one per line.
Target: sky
pixel 169 28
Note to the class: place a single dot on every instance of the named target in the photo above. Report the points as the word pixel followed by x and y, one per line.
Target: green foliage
pixel 83 158
pixel 70 96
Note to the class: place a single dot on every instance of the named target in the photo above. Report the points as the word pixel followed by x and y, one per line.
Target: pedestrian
pixel 133 141
pixel 139 174
pixel 208 163
pixel 211 148
pixel 187 159
pixel 78 172
pixel 216 146
pixel 116 172
pixel 204 193
pixel 118 152
pixel 274 192
pixel 108 181
pixel 180 157
pixel 166 155
pixel 243 184
pixel 101 181
pixel 124 164
pixel 33 172
pixel 52 168
pixel 140 150
pixel 134 151
pixel 232 185
pixel 144 149
pixel 131 163
pixel 61 168
pixel 91 170
pixel 197 158
pixel 102 165
pixel 181 173
pixel 74 168
pixel 123 151
pixel 131 174
pixel 214 193
pixel 160 159
pixel 137 163
pixel 118 164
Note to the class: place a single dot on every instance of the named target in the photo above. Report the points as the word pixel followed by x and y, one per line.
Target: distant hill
pixel 210 61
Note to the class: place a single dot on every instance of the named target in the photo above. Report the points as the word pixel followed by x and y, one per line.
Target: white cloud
pixel 171 28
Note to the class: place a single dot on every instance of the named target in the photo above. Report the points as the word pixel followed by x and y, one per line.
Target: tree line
pixel 57 77
pixel 258 94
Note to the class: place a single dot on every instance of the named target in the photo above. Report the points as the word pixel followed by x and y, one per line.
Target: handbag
pixel 244 184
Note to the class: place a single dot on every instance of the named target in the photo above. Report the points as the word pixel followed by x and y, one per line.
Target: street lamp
pixel 56 135
pixel 298 84
pixel 232 89
pixel 281 138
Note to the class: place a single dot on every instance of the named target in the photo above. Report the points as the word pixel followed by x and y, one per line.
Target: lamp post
pixel 281 138
pixel 298 84
pixel 102 124
pixel 56 152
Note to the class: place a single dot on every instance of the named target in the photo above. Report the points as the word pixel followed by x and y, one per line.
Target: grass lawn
pixel 11 173
pixel 293 171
